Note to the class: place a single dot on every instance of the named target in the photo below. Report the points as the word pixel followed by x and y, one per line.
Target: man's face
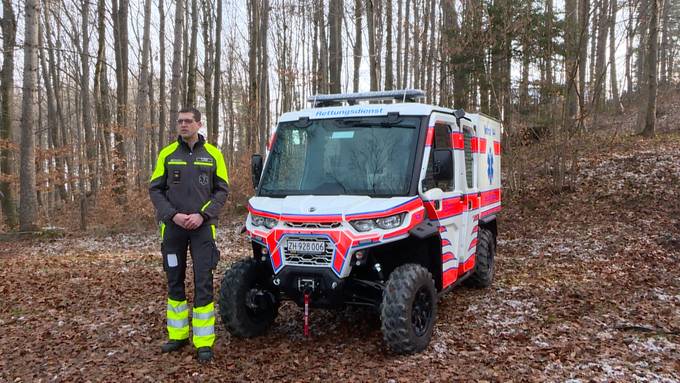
pixel 187 126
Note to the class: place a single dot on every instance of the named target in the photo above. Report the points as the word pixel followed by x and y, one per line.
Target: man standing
pixel 188 188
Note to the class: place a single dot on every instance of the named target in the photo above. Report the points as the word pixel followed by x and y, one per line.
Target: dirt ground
pixel 587 289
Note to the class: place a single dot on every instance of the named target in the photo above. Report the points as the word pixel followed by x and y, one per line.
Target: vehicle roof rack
pixel 403 95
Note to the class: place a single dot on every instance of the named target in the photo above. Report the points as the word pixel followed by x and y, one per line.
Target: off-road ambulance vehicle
pixel 384 205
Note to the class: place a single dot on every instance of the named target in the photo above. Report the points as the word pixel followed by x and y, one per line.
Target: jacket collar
pixel 198 144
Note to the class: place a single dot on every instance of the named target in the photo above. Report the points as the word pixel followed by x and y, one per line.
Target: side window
pixel 442 140
pixel 468 156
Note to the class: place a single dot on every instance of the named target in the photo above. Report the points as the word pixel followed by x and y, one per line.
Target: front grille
pixel 313 225
pixel 309 259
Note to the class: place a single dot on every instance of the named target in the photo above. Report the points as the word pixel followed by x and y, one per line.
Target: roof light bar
pixel 404 95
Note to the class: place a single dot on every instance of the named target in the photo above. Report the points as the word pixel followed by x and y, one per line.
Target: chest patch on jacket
pixel 204 159
pixel 203 179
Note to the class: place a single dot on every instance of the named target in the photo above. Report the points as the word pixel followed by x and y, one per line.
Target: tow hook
pixel 307 298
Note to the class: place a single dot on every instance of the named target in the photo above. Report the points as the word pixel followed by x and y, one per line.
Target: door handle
pixel 469 204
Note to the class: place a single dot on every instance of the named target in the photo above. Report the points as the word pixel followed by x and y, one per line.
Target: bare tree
pixel 162 106
pixel 389 71
pixel 358 49
pixel 373 59
pixel 651 61
pixel 142 115
pixel 192 60
pixel 263 88
pixel 120 22
pixel 612 56
pixel 176 62
pixel 217 78
pixel 9 29
pixel 335 16
pixel 28 208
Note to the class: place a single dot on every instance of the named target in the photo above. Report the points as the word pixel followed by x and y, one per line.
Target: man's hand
pixel 181 220
pixel 193 221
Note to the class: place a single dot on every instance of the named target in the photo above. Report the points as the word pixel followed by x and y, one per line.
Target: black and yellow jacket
pixel 189 181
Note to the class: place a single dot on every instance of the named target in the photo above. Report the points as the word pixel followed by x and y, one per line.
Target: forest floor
pixel 587 288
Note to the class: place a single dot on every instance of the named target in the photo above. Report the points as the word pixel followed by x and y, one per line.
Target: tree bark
pixel 358 49
pixel 571 53
pixel 217 77
pixel 162 106
pixel 612 57
pixel 583 19
pixel 263 88
pixel 142 115
pixel 176 63
pixel 600 69
pixel 335 17
pixel 9 29
pixel 372 54
pixel 651 61
pixel 400 39
pixel 28 209
pixel 120 26
pixel 389 71
pixel 192 63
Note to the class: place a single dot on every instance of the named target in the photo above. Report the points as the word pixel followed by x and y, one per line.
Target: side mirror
pixel 443 165
pixel 459 113
pixel 435 194
pixel 256 169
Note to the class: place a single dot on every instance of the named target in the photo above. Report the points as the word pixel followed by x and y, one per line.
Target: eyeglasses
pixel 184 121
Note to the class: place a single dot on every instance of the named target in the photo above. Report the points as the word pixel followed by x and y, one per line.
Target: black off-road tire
pixel 239 319
pixel 409 309
pixel 482 274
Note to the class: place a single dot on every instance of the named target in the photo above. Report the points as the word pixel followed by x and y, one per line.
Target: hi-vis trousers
pixel 204 255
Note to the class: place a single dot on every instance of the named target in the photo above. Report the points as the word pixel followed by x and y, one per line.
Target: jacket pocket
pixel 215 256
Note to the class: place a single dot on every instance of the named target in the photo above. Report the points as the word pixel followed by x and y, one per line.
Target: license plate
pixel 306 247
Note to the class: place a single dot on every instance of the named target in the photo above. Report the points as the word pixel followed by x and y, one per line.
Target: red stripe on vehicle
pixel 491 211
pixel 497 148
pixel 473 244
pixel 482 145
pixel 490 197
pixel 467 265
pixel 429 139
pixel 449 277
pixel 457 140
pixel 448 256
pixel 474 144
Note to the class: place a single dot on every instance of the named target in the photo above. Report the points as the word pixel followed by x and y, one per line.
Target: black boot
pixel 204 354
pixel 174 345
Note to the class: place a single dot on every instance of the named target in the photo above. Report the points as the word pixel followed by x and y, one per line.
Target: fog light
pixel 264 251
pixel 276 281
pixel 334 285
pixel 359 255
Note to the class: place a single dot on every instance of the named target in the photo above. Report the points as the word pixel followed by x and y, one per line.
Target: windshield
pixel 367 156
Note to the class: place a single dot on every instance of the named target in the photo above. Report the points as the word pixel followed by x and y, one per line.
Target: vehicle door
pixel 446 209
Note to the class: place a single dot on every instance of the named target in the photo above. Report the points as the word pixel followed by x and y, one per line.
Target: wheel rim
pixel 262 305
pixel 421 313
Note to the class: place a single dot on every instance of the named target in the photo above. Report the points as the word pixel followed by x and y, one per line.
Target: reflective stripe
pixel 178 323
pixel 221 170
pixel 204 331
pixel 203 163
pixel 177 162
pixel 159 171
pixel 212 227
pixel 178 309
pixel 203 315
pixel 206 205
pixel 162 230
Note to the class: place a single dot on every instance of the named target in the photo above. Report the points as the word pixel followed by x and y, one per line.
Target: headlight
pixel 258 220
pixel 384 223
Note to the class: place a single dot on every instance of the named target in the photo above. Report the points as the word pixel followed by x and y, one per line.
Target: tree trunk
pixel 217 77
pixel 651 61
pixel 323 51
pixel 253 31
pixel 192 64
pixel 162 105
pixel 600 69
pixel 583 19
pixel 372 54
pixel 176 63
pixel 665 73
pixel 120 26
pixel 407 40
pixel 263 88
pixel 28 208
pixel 9 29
pixel 335 16
pixel 431 59
pixel 101 91
pixel 630 34
pixel 643 23
pixel 142 115
pixel 400 39
pixel 358 49
pixel 389 71
pixel 612 57
pixel 571 53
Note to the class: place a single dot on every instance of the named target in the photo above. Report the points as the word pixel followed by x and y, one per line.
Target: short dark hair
pixel 191 109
